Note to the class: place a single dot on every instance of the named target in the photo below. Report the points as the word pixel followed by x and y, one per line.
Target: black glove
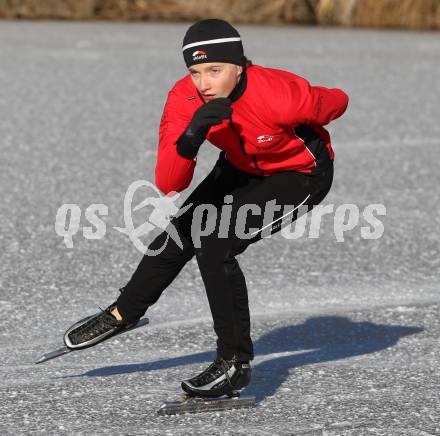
pixel 210 114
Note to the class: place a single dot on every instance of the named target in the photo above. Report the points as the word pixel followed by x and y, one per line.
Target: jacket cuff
pixel 185 148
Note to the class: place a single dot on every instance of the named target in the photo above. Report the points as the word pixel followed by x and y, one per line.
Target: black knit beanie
pixel 212 40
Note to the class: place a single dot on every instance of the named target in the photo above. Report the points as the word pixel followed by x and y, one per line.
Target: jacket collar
pixel 240 87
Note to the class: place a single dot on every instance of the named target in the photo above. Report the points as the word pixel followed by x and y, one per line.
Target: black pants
pixel 215 253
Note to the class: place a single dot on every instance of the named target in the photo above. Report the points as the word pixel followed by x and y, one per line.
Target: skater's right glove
pixel 210 114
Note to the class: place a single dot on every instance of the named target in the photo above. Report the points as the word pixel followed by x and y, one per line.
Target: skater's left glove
pixel 206 116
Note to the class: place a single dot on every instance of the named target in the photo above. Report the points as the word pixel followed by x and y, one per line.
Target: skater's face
pixel 215 79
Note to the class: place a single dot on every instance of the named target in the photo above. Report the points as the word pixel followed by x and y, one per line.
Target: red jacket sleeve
pixel 173 172
pixel 301 103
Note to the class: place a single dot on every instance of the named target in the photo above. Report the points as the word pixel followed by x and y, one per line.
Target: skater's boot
pixel 222 377
pixel 96 328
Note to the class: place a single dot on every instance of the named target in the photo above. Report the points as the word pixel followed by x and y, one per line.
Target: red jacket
pixel 263 137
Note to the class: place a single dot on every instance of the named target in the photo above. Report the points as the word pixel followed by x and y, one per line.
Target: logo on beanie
pixel 199 55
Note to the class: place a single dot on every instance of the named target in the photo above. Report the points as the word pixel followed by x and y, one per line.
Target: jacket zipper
pixel 243 149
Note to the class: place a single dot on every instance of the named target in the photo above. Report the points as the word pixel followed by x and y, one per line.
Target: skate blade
pixel 64 350
pixel 53 354
pixel 198 404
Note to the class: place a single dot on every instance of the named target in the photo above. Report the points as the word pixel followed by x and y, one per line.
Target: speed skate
pixel 66 349
pixel 189 403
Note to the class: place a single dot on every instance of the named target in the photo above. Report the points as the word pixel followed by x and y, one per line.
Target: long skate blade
pixel 53 354
pixel 64 350
pixel 197 404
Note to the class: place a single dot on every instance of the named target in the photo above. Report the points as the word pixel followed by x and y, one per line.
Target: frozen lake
pixel 354 350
